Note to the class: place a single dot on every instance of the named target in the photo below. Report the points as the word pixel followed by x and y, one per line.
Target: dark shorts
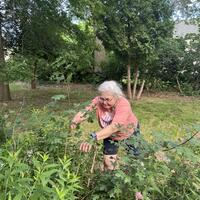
pixel 110 147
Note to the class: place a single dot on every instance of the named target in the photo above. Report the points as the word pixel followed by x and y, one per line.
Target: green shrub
pixel 40 179
pixel 45 163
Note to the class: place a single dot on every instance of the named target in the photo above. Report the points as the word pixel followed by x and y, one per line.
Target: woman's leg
pixel 110 154
pixel 110 162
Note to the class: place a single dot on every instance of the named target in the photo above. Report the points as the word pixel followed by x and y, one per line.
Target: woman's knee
pixel 110 162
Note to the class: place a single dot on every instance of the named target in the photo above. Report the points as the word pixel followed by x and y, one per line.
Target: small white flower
pixel 160 156
pixel 6 116
pixel 29 153
pixel 173 171
pixel 1 165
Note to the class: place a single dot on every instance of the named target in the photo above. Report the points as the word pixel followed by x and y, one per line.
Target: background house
pixel 182 28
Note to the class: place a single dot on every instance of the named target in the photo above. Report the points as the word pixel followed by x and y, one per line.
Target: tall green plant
pixel 39 179
pixel 47 164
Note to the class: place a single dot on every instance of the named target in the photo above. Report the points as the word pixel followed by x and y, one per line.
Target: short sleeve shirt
pixel 121 116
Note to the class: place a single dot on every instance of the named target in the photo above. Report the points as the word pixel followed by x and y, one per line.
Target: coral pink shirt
pixel 121 116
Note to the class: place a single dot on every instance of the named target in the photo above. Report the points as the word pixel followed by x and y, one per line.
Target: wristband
pixel 93 135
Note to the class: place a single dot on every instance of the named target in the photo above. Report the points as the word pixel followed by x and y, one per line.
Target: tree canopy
pixel 56 40
pixel 132 29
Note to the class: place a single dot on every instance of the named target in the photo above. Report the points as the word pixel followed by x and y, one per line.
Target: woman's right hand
pixel 85 147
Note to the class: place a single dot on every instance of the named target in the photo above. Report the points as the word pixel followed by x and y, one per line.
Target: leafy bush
pixel 42 161
pixel 113 68
pixel 188 90
pixel 39 179
pixel 158 85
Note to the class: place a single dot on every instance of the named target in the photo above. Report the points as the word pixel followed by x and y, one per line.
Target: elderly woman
pixel 116 119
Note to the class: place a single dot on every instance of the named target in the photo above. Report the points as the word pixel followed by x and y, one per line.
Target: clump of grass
pixel 18 86
pixel 172 117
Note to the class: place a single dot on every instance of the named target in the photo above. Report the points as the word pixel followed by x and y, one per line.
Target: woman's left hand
pixel 85 147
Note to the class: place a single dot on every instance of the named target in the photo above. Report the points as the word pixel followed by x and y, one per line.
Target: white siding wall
pixel 181 29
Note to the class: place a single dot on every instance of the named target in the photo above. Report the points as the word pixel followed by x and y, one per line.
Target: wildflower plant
pixel 45 163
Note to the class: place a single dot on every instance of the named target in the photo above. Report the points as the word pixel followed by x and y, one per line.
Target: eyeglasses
pixel 101 99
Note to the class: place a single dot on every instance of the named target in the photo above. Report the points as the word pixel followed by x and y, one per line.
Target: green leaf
pixel 58 97
pixel 45 176
pixel 18 197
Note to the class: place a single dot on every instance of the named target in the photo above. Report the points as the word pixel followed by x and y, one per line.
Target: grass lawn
pixel 160 114
pixel 168 114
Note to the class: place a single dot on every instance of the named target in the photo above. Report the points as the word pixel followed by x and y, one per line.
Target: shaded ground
pixel 43 95
pixel 75 93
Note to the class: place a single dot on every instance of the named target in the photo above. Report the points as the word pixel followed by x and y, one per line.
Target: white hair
pixel 112 87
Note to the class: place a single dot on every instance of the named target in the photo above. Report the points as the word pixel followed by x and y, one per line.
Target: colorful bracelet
pixel 94 136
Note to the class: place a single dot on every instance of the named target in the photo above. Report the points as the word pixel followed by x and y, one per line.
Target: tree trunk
pixel 4 92
pixel 136 74
pixel 141 90
pixel 1 91
pixel 179 85
pixel 33 84
pixel 4 87
pixel 129 78
pixel 33 81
